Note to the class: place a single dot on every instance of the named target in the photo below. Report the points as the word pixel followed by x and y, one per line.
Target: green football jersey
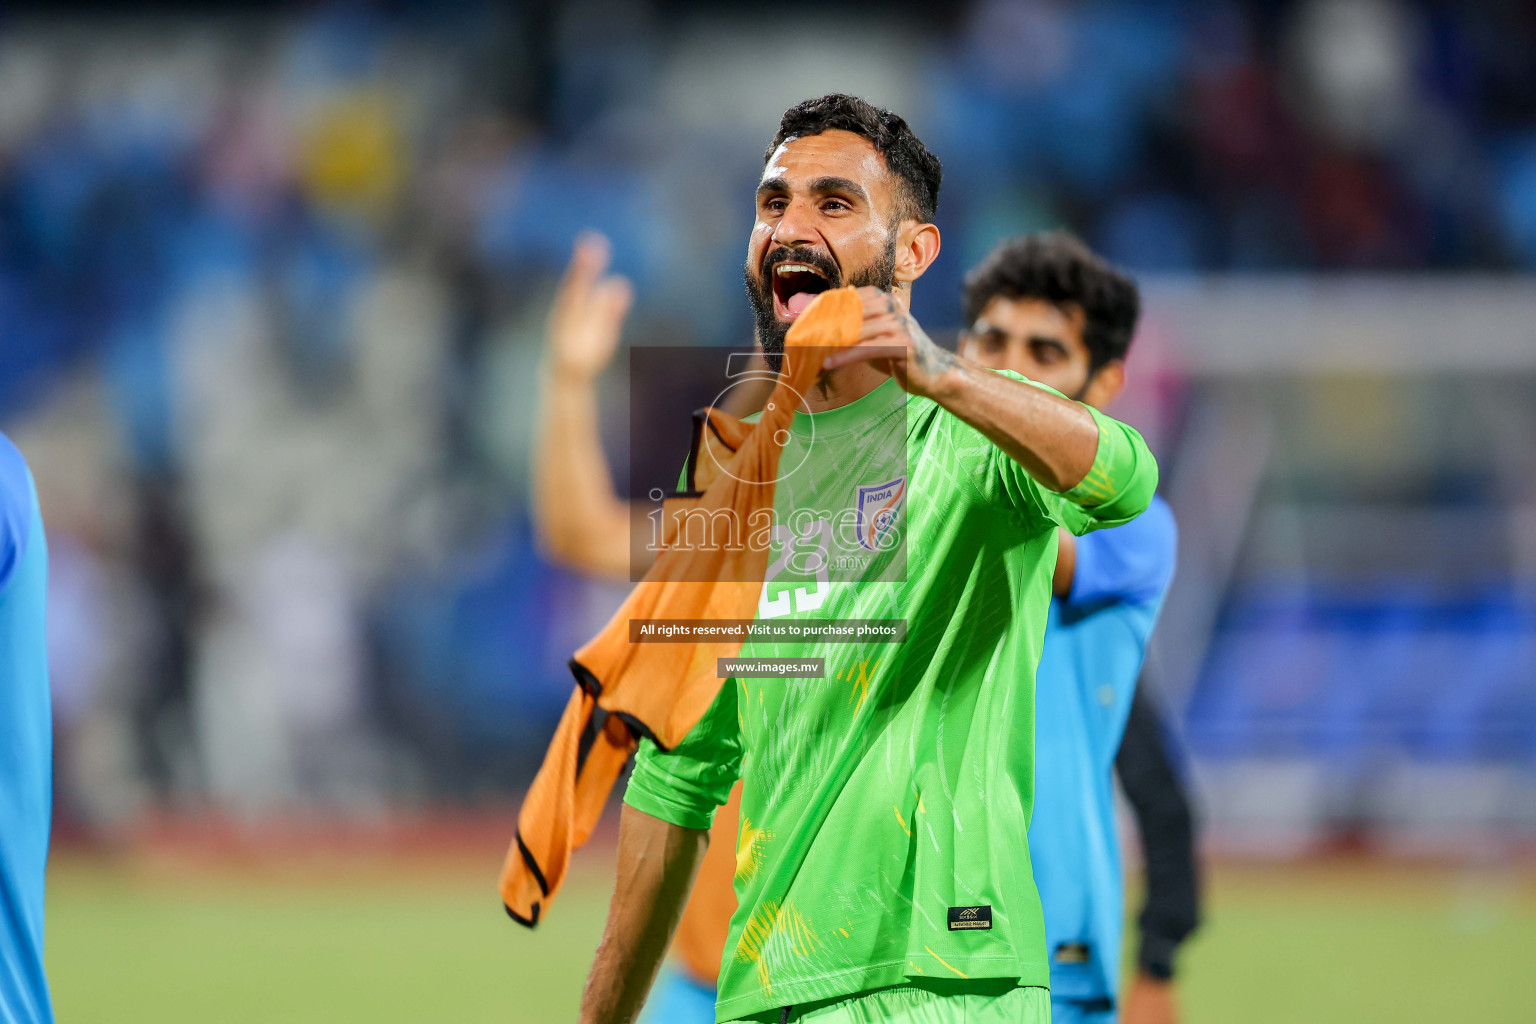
pixel 885 806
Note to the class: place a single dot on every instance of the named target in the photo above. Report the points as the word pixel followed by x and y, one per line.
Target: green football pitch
pixel 341 938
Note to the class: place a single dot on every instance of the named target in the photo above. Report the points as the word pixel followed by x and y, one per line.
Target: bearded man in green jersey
pixel 883 860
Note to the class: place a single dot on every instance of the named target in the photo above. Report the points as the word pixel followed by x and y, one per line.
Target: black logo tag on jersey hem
pixel 964 919
pixel 1073 953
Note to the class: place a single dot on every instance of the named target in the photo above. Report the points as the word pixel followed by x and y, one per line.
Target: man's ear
pixel 917 246
pixel 1106 382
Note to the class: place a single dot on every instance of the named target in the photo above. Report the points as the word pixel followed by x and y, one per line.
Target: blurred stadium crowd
pixel 272 286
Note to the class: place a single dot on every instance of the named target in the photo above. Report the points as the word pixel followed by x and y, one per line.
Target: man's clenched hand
pixel 892 341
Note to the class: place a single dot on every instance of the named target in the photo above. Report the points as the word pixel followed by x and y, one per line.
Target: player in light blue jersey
pixel 26 744
pixel 1048 308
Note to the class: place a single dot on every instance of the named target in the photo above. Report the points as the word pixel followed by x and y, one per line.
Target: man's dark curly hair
pixel 906 157
pixel 1057 267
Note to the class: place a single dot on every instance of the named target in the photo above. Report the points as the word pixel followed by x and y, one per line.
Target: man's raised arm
pixel 579 519
pixel 1093 461
pixel 657 862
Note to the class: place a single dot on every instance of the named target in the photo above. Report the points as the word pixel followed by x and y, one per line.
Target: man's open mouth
pixel 795 286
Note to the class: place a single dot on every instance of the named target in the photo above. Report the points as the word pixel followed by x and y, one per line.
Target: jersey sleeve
pixel 1117 488
pixel 15 509
pixel 684 786
pixel 1131 563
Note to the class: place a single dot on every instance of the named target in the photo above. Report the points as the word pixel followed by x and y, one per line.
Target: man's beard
pixel 771 331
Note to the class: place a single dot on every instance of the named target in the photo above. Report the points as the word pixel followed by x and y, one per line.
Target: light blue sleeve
pixel 1132 563
pixel 15 509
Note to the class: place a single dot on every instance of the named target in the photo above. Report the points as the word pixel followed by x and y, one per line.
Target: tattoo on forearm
pixel 931 359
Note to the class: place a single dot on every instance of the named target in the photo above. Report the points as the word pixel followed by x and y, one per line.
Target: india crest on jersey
pixel 877 505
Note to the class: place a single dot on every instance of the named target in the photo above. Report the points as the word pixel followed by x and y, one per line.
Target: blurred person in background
pixel 581 520
pixel 26 743
pixel 1049 309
